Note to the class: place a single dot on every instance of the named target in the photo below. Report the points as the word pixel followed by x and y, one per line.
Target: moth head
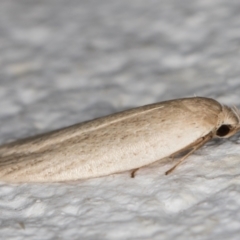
pixel 229 122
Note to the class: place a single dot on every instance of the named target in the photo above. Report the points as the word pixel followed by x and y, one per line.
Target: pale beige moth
pixel 124 141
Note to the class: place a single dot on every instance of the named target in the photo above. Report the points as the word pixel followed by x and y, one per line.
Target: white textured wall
pixel 63 62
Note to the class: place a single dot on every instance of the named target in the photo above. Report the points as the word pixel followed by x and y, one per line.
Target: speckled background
pixel 66 61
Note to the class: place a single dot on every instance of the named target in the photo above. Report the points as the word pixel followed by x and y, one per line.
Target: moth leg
pixel 196 145
pixel 180 161
pixel 133 172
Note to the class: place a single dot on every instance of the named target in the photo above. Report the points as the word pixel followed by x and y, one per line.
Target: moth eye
pixel 223 130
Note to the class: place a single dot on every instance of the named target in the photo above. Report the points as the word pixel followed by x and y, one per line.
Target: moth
pixel 124 141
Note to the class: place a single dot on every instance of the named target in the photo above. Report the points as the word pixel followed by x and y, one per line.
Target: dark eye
pixel 223 130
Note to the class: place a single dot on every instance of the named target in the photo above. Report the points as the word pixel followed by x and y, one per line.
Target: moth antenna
pixel 236 111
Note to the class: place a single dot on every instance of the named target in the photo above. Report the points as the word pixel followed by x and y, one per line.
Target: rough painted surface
pixel 64 62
